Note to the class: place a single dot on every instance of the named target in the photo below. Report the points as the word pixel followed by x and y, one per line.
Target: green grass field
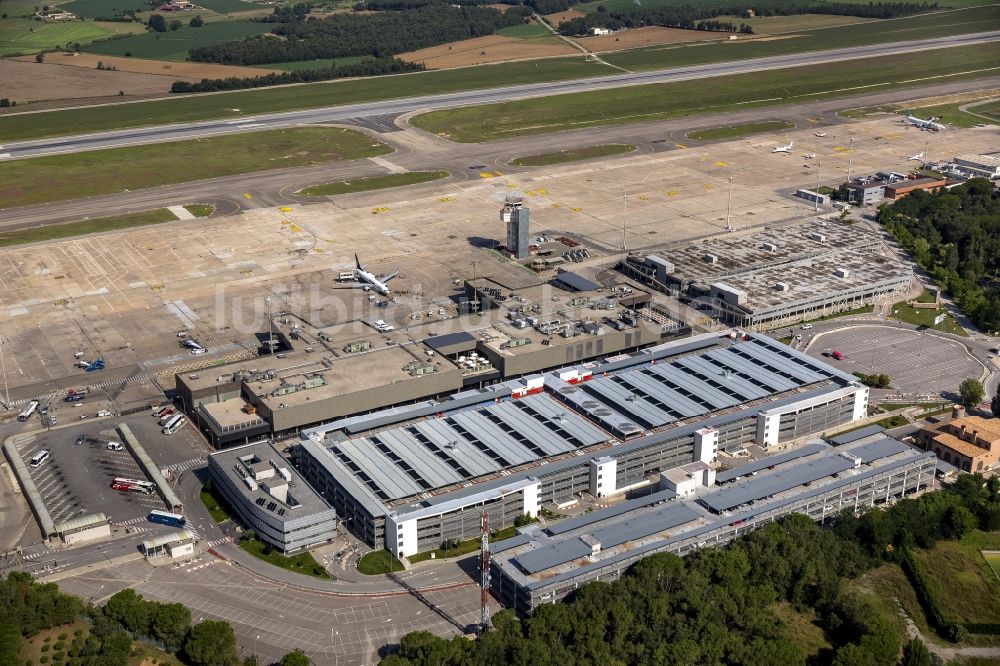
pixel 690 98
pixel 303 563
pixel 463 547
pixel 563 156
pixel 525 30
pixel 227 6
pixel 102 172
pixel 925 317
pixel 101 8
pixel 373 183
pixel 214 505
pixel 734 131
pixel 873 32
pixel 963 582
pixel 26 36
pixel 989 109
pixel 297 65
pixel 175 44
pixel 378 562
pixel 806 629
pixel 95 226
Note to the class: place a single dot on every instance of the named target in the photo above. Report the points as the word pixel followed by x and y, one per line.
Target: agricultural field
pixel 101 172
pixel 490 49
pixel 170 70
pixel 175 44
pixel 870 32
pixel 735 131
pixel 689 98
pixel 525 31
pixel 230 6
pixel 27 36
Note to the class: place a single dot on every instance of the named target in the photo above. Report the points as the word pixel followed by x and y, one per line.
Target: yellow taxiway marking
pixel 672 193
pixel 380 209
pixel 318 249
pixel 680 145
pixel 285 209
pixel 296 228
pixel 485 174
pixel 575 209
pixel 555 205
pixel 841 149
pixel 247 195
pixel 706 187
pixel 721 164
pixel 643 197
pixel 446 199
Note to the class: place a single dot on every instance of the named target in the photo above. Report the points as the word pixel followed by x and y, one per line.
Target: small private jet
pixel 919 157
pixel 821 134
pixel 784 149
pixel 810 156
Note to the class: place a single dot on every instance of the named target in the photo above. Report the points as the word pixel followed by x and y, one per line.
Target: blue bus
pixel 164 518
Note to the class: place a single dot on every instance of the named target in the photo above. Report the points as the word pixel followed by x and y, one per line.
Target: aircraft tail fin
pixel 357 262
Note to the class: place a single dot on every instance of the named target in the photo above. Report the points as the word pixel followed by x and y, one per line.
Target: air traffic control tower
pixel 516 216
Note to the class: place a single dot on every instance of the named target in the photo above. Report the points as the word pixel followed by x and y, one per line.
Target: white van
pixel 38 459
pixel 174 424
pixel 114 446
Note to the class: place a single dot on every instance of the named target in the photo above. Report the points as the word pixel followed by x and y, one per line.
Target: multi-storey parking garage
pixel 410 478
pixel 544 566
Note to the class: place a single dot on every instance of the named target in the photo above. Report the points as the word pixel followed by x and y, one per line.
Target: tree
pixel 170 624
pixel 4 102
pixel 196 22
pixel 158 23
pixel 295 658
pixel 40 57
pixel 175 25
pixel 971 392
pixel 130 609
pixel 915 653
pixel 211 643
pixel 995 403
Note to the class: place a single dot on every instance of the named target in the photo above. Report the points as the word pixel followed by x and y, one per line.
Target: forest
pixel 703 18
pixel 954 235
pixel 377 35
pixel 717 605
pixel 366 67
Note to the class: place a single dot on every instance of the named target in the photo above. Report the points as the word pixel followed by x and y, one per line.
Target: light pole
pixel 850 160
pixel 819 172
pixel 729 205
pixel 624 220
pixel 3 368
pixel 270 326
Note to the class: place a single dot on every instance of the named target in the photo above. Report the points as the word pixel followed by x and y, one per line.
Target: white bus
pixel 174 424
pixel 38 459
pixel 28 411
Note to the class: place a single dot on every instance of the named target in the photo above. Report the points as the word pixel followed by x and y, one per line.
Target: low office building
pixel 83 529
pixel 408 479
pixel 898 190
pixel 866 191
pixel 545 565
pixel 173 545
pixel 970 443
pixel 978 166
pixel 271 498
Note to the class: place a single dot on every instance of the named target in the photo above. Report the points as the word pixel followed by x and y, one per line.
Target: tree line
pixel 378 35
pixel 954 235
pixel 704 18
pixel 376 67
pixel 717 605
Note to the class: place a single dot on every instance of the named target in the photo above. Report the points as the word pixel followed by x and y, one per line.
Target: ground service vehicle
pixel 176 421
pixel 133 486
pixel 114 446
pixel 38 459
pixel 165 518
pixel 28 411
pixel 837 355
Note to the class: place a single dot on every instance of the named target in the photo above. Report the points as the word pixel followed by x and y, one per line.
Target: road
pixel 416 150
pixel 384 109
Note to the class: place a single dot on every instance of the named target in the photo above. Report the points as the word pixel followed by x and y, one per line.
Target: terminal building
pixel 542 566
pixel 409 478
pixel 523 326
pixel 776 277
pixel 271 498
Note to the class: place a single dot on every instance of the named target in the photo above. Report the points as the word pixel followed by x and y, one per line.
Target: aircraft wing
pixel 390 276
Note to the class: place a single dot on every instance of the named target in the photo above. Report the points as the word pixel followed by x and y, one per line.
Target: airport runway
pixel 418 150
pixel 382 111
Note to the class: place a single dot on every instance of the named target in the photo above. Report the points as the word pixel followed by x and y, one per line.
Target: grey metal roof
pixel 451 339
pixel 80 522
pixel 462 445
pixel 855 435
pixel 767 485
pixel 881 448
pixel 571 524
pixel 576 281
pixel 769 461
pixel 613 535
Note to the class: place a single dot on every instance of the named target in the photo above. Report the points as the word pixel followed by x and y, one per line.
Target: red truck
pixel 837 356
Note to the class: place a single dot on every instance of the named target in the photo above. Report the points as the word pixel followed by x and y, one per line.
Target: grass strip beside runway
pixel 734 131
pixel 563 156
pixel 97 225
pixel 663 101
pixel 373 183
pixel 78 175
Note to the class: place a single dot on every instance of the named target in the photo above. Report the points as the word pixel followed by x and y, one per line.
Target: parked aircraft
pixel 810 156
pixel 821 134
pixel 919 157
pixel 368 281
pixel 928 124
pixel 784 149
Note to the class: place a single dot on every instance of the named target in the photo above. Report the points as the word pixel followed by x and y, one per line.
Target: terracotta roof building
pixel 970 443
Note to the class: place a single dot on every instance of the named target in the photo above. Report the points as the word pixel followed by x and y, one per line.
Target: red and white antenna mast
pixel 484 581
